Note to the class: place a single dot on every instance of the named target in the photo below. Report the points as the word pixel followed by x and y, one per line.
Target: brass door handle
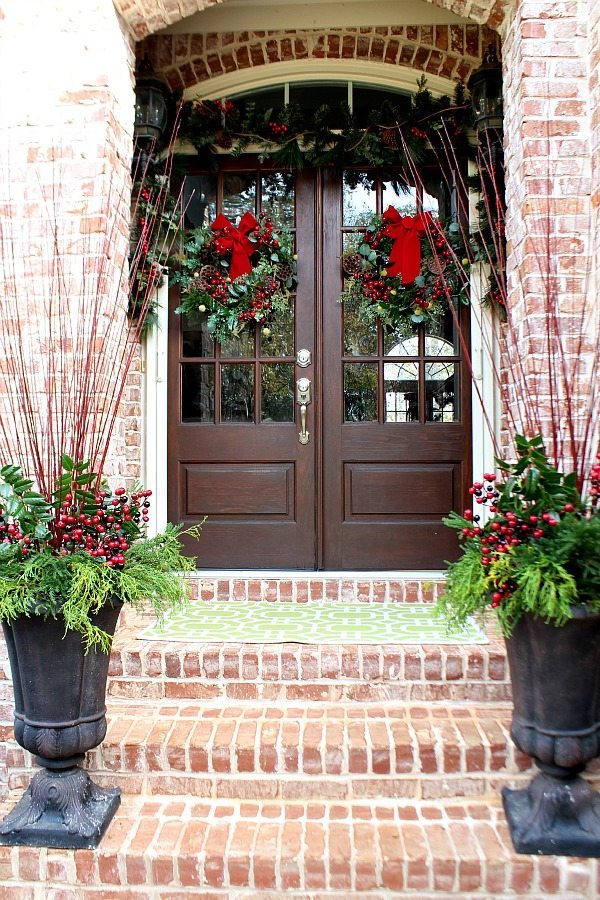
pixel 303 398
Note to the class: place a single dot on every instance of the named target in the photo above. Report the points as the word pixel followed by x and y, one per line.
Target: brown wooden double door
pixel 388 417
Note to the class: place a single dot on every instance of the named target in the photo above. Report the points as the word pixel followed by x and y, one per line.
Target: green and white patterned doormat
pixel 246 622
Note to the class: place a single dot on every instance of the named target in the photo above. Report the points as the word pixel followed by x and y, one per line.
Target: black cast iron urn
pixel 60 714
pixel 555 675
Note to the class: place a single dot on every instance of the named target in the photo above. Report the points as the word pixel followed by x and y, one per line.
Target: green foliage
pixel 74 587
pixel 538 553
pixel 68 555
pixel 330 135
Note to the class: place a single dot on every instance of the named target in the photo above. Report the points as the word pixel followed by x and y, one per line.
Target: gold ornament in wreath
pixel 240 276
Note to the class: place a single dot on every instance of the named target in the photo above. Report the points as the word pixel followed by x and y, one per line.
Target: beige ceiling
pixel 253 15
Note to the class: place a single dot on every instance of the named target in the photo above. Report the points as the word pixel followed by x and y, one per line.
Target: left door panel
pixel 233 449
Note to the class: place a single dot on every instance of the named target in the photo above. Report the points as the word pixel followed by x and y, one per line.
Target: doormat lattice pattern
pixel 312 623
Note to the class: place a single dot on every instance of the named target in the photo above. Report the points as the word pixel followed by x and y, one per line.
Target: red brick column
pixel 548 151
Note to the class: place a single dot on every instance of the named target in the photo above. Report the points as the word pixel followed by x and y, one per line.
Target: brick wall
pixel 450 51
pixel 548 151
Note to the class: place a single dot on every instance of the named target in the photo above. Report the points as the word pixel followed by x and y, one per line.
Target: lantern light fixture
pixel 151 108
pixel 485 85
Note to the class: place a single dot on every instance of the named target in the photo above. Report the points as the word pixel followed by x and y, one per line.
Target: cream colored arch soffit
pixel 396 78
pixel 268 15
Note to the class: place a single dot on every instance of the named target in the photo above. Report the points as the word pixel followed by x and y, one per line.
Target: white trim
pixel 155 406
pixel 384 75
pixel 484 389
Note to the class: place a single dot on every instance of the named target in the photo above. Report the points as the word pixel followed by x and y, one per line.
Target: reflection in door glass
pixel 401 196
pixel 360 338
pixel 401 392
pixel 442 340
pixel 239 345
pixel 441 391
pixel 280 339
pixel 239 195
pixel 200 200
pixel 197 392
pixel 359 201
pixel 237 393
pixel 360 392
pixel 277 392
pixel 196 340
pixel 396 344
pixel 278 198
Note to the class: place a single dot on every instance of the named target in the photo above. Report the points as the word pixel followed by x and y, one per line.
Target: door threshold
pixel 313 575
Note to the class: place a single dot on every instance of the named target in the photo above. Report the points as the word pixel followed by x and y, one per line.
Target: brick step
pixel 171 670
pixel 303 587
pixel 335 752
pixel 174 848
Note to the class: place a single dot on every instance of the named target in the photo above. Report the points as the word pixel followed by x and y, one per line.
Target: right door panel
pixel 396 417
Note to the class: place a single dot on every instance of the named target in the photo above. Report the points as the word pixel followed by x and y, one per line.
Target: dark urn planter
pixel 60 714
pixel 555 675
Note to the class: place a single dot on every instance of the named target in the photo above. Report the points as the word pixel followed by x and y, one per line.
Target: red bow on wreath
pixel 236 241
pixel 406 231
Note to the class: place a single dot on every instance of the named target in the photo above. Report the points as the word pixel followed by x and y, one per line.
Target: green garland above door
pixel 331 135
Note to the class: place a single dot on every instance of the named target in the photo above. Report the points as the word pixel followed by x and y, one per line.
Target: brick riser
pixel 302 752
pixel 335 753
pixel 302 589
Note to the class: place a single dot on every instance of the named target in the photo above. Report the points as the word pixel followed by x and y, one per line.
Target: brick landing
pixel 263 771
pixel 180 847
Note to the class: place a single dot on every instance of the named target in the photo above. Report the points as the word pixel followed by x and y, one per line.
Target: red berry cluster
pixel 374 287
pixel 105 532
pixel 443 251
pixel 104 529
pixel 279 129
pixel 10 531
pixel 216 286
pixel 504 530
pixel 595 482
pixel 223 107
pixel 419 133
pixel 258 308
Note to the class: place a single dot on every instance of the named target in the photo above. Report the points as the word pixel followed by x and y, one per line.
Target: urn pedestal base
pixel 554 816
pixel 61 808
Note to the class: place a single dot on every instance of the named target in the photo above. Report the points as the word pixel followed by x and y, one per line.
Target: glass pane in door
pixel 237 393
pixel 239 195
pixel 360 392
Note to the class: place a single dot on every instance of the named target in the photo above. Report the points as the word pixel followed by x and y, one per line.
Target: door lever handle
pixel 303 398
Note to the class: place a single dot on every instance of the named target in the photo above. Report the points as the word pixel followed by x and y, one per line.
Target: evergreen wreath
pixel 404 270
pixel 240 276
